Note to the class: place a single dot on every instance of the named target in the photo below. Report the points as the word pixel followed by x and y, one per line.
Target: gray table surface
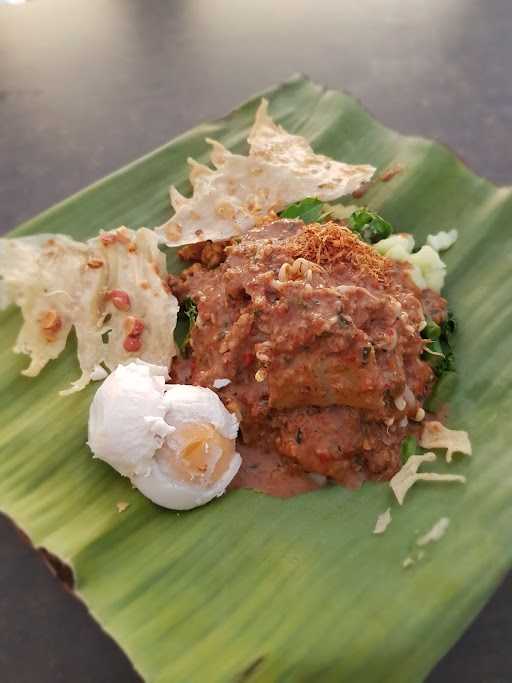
pixel 87 86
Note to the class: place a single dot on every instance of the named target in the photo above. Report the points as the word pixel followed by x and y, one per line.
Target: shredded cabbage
pixel 427 268
pixel 443 240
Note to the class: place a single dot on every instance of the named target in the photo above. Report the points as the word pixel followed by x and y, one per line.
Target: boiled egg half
pixel 175 442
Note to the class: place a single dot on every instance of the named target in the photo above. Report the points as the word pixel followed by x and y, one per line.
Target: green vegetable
pixel 187 316
pixel 309 210
pixel 449 326
pixel 442 392
pixel 431 331
pixel 408 447
pixel 440 356
pixel 439 352
pixel 369 226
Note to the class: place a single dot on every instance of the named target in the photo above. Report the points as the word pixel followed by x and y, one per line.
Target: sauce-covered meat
pixel 320 339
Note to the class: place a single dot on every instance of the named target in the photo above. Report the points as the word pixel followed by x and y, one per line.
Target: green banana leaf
pixel 255 588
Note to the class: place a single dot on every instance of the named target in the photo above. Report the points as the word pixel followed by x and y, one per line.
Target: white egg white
pixel 142 427
pixel 176 495
pixel 126 418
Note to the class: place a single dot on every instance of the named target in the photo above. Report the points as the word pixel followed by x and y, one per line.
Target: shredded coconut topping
pixel 329 243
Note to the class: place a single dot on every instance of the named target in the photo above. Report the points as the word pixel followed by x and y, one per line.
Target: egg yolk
pixel 205 456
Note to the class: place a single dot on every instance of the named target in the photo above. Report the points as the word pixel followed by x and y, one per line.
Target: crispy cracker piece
pixel 280 169
pixel 408 476
pixel 383 521
pixel 112 290
pixel 436 435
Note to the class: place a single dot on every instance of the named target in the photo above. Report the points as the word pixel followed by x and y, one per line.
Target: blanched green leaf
pixel 440 354
pixel 309 210
pixel 432 331
pixel 408 447
pixel 295 590
pixel 187 316
pixel 369 225
pixel 442 392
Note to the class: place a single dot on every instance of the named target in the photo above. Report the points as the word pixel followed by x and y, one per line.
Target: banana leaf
pixel 255 588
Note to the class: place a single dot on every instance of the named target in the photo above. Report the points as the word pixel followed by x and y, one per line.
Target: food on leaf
pixel 320 339
pixel 322 330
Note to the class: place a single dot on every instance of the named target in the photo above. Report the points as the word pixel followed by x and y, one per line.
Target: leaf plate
pixel 252 588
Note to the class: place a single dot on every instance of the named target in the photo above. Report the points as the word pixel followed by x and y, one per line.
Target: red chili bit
pixel 132 344
pixel 390 173
pixel 133 326
pixel 51 323
pixel 119 298
pixel 247 358
pixel 108 238
pixel 361 190
pixel 123 235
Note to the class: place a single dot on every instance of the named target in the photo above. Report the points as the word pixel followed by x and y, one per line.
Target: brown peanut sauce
pixel 323 354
